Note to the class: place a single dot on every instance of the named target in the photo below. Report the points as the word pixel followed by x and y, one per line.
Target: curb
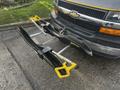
pixel 13 26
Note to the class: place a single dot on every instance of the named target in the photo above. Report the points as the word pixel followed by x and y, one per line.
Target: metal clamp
pixel 35 18
pixel 67 69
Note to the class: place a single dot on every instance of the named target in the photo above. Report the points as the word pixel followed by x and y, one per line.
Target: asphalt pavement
pixel 22 69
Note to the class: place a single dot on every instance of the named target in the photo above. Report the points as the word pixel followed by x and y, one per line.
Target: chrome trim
pixel 92 19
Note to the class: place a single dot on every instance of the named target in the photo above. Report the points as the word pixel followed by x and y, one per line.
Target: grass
pixel 40 7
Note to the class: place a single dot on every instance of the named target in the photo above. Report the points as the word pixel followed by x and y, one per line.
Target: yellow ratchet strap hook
pixel 65 68
pixel 35 18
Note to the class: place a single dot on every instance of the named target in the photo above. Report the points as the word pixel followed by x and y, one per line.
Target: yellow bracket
pixel 65 68
pixel 35 18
